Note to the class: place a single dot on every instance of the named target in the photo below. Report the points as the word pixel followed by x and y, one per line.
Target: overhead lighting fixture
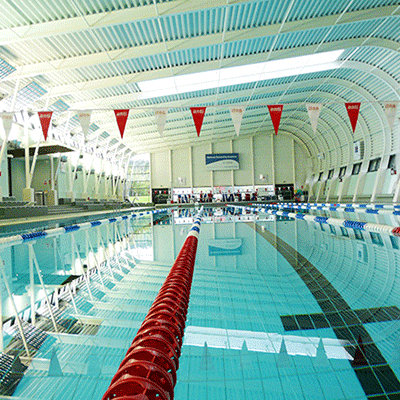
pixel 239 75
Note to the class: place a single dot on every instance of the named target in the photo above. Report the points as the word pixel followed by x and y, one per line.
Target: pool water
pixel 279 308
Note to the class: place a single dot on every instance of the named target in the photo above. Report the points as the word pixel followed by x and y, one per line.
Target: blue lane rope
pixel 17 239
pixel 357 208
pixel 366 226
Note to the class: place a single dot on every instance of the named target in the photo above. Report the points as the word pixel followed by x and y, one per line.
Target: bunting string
pixel 198 114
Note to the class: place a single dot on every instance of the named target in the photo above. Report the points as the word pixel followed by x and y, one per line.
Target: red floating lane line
pixel 148 370
pixel 396 231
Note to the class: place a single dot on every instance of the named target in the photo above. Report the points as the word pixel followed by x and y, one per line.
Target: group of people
pixel 210 197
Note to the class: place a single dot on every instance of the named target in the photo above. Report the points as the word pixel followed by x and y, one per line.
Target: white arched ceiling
pixel 92 54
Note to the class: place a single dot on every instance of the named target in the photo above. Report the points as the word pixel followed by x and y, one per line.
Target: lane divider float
pixel 363 226
pixel 148 370
pixel 25 237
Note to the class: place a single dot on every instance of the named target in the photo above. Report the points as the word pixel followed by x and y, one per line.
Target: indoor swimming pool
pixel 280 308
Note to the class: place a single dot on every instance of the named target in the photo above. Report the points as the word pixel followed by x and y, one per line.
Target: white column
pixel 28 194
pixel 171 175
pixel 252 162
pixel 1 324
pixel 377 184
pixel 191 167
pixel 360 176
pixel 232 171
pixel 273 160
pixel 294 163
pixel 53 197
pixel 212 172
pixel 32 287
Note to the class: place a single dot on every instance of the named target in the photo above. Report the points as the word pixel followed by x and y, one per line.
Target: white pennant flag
pixel 161 118
pixel 314 109
pixel 390 110
pixel 7 118
pixel 84 119
pixel 237 115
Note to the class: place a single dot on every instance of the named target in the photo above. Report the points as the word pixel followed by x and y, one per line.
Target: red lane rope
pixel 148 370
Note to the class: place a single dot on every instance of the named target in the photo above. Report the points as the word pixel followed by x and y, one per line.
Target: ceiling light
pixel 239 75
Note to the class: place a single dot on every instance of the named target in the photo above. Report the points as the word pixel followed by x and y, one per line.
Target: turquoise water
pixel 277 308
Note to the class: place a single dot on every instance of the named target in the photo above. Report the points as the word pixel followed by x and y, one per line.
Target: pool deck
pixel 63 216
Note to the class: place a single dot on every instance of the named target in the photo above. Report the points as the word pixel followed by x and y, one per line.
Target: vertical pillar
pixel 171 175
pixel 53 198
pixel 232 171
pixel 397 190
pixel 1 324
pixel 32 286
pixel 294 163
pixel 191 167
pixel 28 193
pixel 212 172
pixel 252 161
pixel 377 189
pixel 70 193
pixel 273 160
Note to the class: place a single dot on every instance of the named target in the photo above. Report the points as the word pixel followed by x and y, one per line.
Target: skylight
pixel 239 75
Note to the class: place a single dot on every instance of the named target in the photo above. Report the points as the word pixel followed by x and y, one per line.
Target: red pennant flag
pixel 45 118
pixel 275 112
pixel 122 117
pixel 352 110
pixel 198 116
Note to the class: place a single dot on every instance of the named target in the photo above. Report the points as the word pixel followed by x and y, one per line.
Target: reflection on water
pixel 266 317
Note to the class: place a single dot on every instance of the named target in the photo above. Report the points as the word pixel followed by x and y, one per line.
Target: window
pixel 342 172
pixel 358 234
pixel 330 174
pixel 395 242
pixel 140 179
pixel 320 176
pixel 333 230
pixel 392 162
pixel 356 169
pixel 344 231
pixel 376 238
pixel 374 165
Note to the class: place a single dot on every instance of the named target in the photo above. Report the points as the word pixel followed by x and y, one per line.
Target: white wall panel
pixel 263 159
pixel 256 157
pixel 352 185
pixel 223 178
pixel 160 169
pixel 301 162
pixel 201 177
pixel 369 183
pixel 41 176
pixel 283 151
pixel 243 176
pixel 181 167
pixel 18 177
pixel 389 182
